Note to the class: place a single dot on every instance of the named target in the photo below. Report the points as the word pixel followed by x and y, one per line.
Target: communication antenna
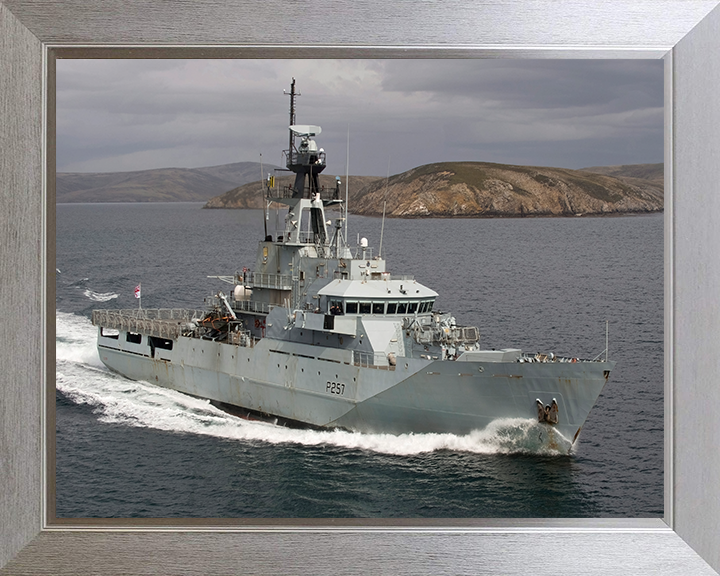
pixel 347 177
pixel 292 95
pixel 382 227
pixel 264 200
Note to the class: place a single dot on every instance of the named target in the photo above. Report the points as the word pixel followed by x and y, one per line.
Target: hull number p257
pixel 335 388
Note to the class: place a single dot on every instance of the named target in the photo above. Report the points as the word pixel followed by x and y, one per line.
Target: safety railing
pixel 276 281
pixel 252 306
pixel 162 323
pixel 369 359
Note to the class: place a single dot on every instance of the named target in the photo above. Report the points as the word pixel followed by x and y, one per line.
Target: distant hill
pixel 653 172
pixel 473 189
pixel 158 185
pixel 249 195
pixel 477 189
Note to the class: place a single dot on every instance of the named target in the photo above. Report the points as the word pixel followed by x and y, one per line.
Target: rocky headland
pixel 482 189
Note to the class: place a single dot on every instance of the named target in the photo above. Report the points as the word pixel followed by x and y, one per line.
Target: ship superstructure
pixel 320 334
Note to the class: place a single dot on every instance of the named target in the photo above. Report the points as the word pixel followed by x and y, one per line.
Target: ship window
pixel 133 338
pixel 423 307
pixel 412 307
pixel 402 307
pixel 378 308
pixel 161 343
pixel 336 307
pixel 109 333
pixel 391 307
pixel 430 305
pixel 351 307
pixel 364 307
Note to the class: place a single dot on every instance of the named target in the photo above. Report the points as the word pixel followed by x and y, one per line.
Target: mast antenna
pixel 382 228
pixel 347 177
pixel 292 95
pixel 264 199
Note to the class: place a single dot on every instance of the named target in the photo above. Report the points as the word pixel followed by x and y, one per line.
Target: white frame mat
pixel 686 33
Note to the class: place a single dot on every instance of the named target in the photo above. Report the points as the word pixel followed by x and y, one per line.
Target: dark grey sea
pixel 130 449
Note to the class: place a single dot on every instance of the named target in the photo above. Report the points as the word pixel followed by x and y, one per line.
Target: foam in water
pixel 100 297
pixel 75 340
pixel 83 378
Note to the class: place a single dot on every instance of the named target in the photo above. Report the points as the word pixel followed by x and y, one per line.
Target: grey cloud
pixel 126 115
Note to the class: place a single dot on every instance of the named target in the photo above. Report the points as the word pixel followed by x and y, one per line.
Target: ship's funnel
pixel 305 130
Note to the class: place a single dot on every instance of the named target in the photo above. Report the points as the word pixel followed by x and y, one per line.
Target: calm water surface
pixel 130 449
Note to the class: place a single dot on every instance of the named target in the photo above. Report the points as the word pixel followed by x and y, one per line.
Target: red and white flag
pixel 137 291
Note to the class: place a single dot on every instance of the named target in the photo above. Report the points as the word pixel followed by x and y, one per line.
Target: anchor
pixel 549 413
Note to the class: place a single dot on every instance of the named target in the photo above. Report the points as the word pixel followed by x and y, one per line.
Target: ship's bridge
pixel 380 297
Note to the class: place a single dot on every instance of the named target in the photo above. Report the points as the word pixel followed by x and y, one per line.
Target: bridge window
pixel 402 307
pixel 430 305
pixel 378 308
pixel 336 307
pixel 391 307
pixel 365 307
pixel 423 307
pixel 351 307
pixel 412 306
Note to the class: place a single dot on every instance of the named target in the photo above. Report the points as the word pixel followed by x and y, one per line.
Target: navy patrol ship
pixel 321 335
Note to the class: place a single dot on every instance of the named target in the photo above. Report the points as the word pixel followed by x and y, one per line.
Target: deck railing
pixel 276 281
pixel 370 359
pixel 252 306
pixel 159 322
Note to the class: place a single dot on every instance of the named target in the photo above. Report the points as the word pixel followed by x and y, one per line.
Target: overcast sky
pixel 119 115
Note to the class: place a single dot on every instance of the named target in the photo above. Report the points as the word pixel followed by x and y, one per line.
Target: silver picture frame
pixel 686 33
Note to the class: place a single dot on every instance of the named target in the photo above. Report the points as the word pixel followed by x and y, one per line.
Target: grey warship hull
pixel 334 388
pixel 320 334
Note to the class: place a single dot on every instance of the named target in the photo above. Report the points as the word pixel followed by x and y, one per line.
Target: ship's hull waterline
pixel 294 382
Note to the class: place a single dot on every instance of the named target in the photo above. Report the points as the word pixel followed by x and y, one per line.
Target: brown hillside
pixel 250 195
pixel 655 172
pixel 477 189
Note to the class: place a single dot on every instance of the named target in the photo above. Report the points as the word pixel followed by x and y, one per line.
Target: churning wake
pixel 81 377
pixel 81 285
pixel 98 296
